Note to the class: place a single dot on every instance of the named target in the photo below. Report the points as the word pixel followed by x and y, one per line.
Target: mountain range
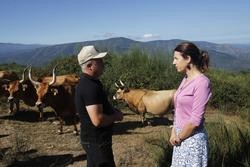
pixel 233 57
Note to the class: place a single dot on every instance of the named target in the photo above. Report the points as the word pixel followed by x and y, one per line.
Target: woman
pixel 188 135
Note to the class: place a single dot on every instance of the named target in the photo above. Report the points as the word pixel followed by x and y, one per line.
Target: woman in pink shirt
pixel 188 136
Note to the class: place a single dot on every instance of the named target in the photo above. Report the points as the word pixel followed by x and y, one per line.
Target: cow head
pixel 4 85
pixel 16 87
pixel 121 89
pixel 43 87
pixel 5 78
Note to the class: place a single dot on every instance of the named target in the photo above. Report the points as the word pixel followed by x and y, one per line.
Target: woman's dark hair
pixel 198 57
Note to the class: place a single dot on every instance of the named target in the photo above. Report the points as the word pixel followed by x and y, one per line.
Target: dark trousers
pixel 99 155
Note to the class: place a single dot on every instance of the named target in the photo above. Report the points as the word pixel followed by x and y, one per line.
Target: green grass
pixel 229 144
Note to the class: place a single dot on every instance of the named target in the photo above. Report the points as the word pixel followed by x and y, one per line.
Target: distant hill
pixel 224 56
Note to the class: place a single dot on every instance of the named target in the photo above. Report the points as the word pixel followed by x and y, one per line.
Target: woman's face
pixel 180 63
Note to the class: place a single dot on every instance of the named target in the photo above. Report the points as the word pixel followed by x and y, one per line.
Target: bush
pixel 230 90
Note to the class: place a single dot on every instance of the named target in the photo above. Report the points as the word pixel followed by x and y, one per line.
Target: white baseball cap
pixel 89 52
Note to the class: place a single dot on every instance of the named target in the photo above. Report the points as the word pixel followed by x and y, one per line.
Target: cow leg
pixel 149 122
pixel 11 107
pixel 143 117
pixel 60 129
pixel 16 101
pixel 75 129
pixel 40 113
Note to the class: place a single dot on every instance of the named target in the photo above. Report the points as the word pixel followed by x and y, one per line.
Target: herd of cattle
pixel 58 93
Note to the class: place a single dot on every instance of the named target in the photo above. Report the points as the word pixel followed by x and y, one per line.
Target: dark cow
pixel 22 90
pixel 58 93
pixel 5 78
pixel 143 101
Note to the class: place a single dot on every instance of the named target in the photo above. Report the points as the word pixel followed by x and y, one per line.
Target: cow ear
pixel 5 86
pixel 54 91
pixel 126 89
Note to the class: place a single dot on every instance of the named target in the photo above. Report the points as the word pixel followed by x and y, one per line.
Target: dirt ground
pixel 29 142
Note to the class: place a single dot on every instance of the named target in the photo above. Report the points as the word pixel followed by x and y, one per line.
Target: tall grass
pixel 229 145
pixel 162 150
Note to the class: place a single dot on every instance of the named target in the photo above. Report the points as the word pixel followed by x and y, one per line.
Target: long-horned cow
pixel 142 101
pixel 5 78
pixel 22 90
pixel 58 93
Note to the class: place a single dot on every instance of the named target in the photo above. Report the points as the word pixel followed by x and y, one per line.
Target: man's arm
pixel 99 119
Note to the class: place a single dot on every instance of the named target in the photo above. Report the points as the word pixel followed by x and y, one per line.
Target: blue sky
pixel 65 21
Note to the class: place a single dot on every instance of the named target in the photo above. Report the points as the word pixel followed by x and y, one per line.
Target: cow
pixel 5 78
pixel 58 93
pixel 142 101
pixel 22 90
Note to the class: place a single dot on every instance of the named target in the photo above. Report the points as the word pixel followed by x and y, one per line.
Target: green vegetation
pixel 12 67
pixel 229 143
pixel 231 90
pixel 139 69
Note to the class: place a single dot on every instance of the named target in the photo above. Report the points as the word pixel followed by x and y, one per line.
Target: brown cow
pixel 58 93
pixel 143 101
pixel 22 90
pixel 5 78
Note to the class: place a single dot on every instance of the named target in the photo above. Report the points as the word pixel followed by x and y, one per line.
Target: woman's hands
pixel 174 139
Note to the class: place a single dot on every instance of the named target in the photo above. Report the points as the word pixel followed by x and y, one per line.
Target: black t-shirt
pixel 90 91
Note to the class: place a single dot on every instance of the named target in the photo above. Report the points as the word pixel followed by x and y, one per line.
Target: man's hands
pixel 118 115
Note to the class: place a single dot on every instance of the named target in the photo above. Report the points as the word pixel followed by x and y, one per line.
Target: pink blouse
pixel 190 101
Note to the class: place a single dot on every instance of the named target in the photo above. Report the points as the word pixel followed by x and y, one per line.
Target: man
pixel 96 114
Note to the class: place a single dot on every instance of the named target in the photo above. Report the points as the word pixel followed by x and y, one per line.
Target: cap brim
pixel 100 55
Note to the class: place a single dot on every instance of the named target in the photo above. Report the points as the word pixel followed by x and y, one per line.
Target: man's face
pixel 98 66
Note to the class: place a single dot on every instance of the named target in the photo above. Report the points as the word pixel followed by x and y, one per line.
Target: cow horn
pixel 117 85
pixel 21 81
pixel 122 83
pixel 34 82
pixel 54 76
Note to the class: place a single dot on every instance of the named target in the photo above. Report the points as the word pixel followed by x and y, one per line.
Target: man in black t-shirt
pixel 96 114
